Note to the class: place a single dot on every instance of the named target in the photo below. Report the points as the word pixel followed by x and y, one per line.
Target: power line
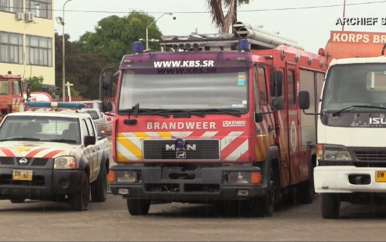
pixel 239 11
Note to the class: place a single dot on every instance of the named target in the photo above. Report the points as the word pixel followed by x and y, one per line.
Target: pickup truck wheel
pixel 330 205
pixel 17 200
pixel 79 200
pixel 99 186
pixel 138 206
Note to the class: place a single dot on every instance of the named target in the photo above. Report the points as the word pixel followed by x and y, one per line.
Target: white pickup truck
pixel 52 156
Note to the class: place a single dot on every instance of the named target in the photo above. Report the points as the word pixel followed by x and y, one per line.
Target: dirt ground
pixel 110 221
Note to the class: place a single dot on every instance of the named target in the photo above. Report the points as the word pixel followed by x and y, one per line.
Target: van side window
pixel 262 86
pixel 291 86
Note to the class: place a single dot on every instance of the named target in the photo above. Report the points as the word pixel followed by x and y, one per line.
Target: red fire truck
pixel 215 120
pixel 11 94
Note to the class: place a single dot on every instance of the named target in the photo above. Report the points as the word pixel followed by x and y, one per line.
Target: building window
pixel 12 6
pixel 40 8
pixel 38 50
pixel 11 47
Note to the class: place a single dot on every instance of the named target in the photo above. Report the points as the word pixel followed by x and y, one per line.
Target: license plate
pixel 380 176
pixel 22 175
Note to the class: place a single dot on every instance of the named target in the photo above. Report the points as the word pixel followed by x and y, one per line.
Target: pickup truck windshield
pixel 359 85
pixel 34 128
pixel 219 90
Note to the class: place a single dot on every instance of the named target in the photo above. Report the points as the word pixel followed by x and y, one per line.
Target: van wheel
pixel 330 206
pixel 138 206
pixel 99 186
pixel 17 200
pixel 79 200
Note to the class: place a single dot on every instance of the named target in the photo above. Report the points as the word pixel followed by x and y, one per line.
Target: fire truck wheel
pixel 99 186
pixel 266 204
pixel 17 200
pixel 138 206
pixel 79 200
pixel 330 205
pixel 306 189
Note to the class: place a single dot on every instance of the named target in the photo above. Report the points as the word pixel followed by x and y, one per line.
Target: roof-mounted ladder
pixel 257 38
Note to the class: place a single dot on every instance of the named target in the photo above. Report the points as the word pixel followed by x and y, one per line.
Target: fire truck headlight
pixel 127 176
pixel 244 177
pixel 337 155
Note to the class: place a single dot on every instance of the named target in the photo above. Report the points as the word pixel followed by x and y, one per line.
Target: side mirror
pixel 89 140
pixel 276 83
pixel 107 106
pixel 304 100
pixel 259 117
pixel 277 103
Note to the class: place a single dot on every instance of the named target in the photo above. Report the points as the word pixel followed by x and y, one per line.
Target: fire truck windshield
pixel 227 89
pixel 355 84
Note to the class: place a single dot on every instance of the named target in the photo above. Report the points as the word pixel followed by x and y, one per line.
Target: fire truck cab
pixel 11 94
pixel 215 120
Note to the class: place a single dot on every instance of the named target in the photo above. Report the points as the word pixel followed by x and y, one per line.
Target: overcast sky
pixel 310 27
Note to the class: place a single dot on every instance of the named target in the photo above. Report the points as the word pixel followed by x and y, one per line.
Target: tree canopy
pixel 113 36
pixel 216 8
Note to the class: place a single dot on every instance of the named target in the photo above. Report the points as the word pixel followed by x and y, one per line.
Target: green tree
pixel 113 35
pixel 36 83
pixel 82 69
pixel 216 8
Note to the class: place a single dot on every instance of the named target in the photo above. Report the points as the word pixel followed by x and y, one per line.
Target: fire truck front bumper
pixel 349 179
pixel 174 185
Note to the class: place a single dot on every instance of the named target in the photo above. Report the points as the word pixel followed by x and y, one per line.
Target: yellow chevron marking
pixel 125 142
pixel 141 135
pixel 22 149
pixel 257 153
pixel 165 135
pixel 120 157
pixel 262 151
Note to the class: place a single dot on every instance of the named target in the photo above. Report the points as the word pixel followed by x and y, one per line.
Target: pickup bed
pixel 53 156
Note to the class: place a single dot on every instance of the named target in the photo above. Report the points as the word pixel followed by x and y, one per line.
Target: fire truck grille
pixel 194 150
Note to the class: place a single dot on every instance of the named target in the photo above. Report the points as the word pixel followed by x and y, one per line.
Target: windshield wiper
pixel 20 138
pixel 183 113
pixel 153 112
pixel 221 111
pixel 61 140
pixel 355 106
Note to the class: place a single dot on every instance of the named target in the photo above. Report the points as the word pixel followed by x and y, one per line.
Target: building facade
pixel 27 36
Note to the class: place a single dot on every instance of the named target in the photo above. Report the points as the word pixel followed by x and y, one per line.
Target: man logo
pixel 188 147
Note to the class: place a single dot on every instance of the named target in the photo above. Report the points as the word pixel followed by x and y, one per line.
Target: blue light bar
pixel 243 45
pixel 137 47
pixel 63 105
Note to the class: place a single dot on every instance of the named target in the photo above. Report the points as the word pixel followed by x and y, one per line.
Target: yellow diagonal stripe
pixel 132 148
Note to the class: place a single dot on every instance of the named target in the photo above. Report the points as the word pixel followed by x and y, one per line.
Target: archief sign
pixel 357 37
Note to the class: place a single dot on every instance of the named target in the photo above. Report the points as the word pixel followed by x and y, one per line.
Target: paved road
pixel 110 221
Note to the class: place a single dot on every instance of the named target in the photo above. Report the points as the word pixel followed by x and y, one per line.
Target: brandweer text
pixel 181 125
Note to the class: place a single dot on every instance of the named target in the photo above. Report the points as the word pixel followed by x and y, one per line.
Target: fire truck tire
pixel 138 206
pixel 330 205
pixel 79 200
pixel 99 186
pixel 17 200
pixel 266 204
pixel 307 191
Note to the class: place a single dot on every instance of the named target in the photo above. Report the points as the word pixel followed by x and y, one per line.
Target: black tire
pixel 17 200
pixel 330 205
pixel 266 204
pixel 138 206
pixel 307 191
pixel 79 200
pixel 99 186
